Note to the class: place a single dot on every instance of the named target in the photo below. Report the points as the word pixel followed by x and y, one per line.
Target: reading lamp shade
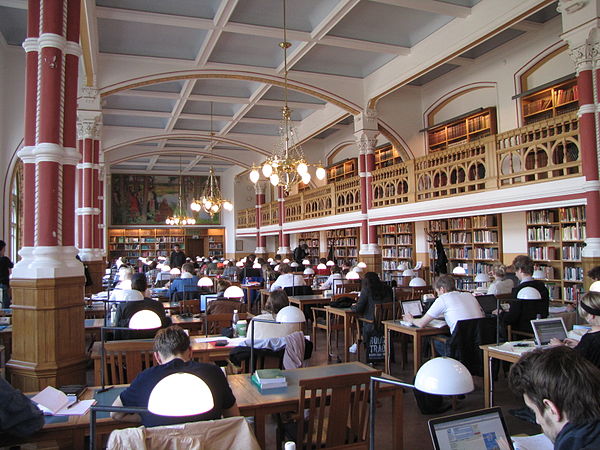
pixel 482 278
pixel 309 271
pixel 539 275
pixel 286 261
pixel 444 376
pixel 595 286
pixel 305 262
pixel 294 264
pixel 408 273
pixel 205 282
pixel 145 320
pixel 459 270
pixel 330 263
pixel 417 282
pixel 352 275
pixel 290 314
pixel 180 394
pixel 175 271
pixel 362 265
pixel 233 292
pixel 529 293
pixel 321 266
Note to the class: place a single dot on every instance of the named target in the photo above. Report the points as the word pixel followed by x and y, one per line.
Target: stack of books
pixel 266 379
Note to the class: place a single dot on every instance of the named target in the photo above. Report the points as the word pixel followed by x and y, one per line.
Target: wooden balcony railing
pixel 534 153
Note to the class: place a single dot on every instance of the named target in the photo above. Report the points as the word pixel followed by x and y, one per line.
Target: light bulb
pixel 227 206
pixel 214 208
pixel 306 178
pixel 320 173
pixel 254 176
pixel 207 204
pixel 302 168
pixel 267 170
pixel 274 179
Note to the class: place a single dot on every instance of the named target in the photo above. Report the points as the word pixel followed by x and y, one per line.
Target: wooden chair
pixel 189 307
pixel 383 311
pixel 124 360
pixel 346 288
pixel 319 320
pixel 213 323
pixel 516 333
pixel 337 412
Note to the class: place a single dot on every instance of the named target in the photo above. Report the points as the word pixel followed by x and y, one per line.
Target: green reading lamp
pixel 438 376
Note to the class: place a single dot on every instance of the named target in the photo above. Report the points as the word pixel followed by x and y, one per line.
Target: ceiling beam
pixel 17 4
pixel 364 45
pixel 432 6
pixel 152 162
pixel 130 15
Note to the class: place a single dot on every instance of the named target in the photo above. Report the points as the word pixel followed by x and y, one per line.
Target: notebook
pixel 413 307
pixel 488 303
pixel 546 329
pixel 479 429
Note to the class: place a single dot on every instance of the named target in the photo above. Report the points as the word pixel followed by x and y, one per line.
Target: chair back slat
pixel 214 322
pixel 124 360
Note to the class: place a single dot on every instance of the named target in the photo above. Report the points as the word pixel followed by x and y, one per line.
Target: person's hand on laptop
pixel 408 317
pixel 571 343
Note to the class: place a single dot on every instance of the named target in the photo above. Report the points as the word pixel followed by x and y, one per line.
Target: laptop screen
pixel 413 307
pixel 473 430
pixel 546 329
pixel 487 302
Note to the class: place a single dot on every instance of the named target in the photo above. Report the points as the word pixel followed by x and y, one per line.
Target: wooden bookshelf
pixel 463 129
pixel 386 155
pixel 312 240
pixel 397 244
pixel 473 243
pixel 550 101
pixel 133 243
pixel 345 243
pixel 555 239
pixel 345 169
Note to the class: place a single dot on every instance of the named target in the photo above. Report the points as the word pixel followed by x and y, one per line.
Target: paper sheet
pixel 535 442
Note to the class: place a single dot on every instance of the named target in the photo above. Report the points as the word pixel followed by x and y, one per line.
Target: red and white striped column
pixel 88 176
pixel 50 152
pixel 583 36
pixel 261 241
pixel 366 133
pixel 284 239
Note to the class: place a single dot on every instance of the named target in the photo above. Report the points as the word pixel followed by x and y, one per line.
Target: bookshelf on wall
pixel 133 243
pixel 397 244
pixel 386 155
pixel 312 240
pixel 345 243
pixel 344 169
pixel 467 128
pixel 550 101
pixel 473 243
pixel 555 239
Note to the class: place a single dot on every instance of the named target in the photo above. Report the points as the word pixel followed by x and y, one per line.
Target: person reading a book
pixel 450 305
pixel 561 387
pixel 173 354
pixel 589 345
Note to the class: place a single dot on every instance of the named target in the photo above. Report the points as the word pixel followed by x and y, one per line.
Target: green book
pixel 268 376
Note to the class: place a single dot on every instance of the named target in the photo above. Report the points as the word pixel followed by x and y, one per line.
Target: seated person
pixel 521 312
pixel 185 286
pixel 19 416
pixel 589 345
pixel 230 270
pixel 372 291
pixel 326 270
pixel 126 310
pixel 287 278
pixel 224 305
pixel 123 284
pixel 500 285
pixel 561 387
pixel 451 305
pixel 276 301
pixel 173 353
pixel 334 279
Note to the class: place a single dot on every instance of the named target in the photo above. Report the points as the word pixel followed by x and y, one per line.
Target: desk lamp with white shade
pixel 595 287
pixel 539 274
pixel 482 279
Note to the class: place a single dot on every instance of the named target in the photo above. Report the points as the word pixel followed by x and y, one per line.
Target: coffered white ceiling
pixel 159 64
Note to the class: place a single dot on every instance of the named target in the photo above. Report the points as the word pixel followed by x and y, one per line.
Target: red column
pixel 366 139
pixel 260 200
pixel 284 239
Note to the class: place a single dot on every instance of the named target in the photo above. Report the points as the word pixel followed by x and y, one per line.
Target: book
pixel 56 403
pixel 267 387
pixel 270 376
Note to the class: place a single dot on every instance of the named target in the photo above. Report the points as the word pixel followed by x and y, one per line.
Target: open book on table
pixel 56 403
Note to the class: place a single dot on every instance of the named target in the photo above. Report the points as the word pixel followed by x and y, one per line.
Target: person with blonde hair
pixel 500 285
pixel 589 345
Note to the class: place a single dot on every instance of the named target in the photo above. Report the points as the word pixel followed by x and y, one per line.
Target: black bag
pixel 374 345
pixel 342 302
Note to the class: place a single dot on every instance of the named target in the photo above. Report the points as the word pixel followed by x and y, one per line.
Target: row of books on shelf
pixel 402 239
pixel 479 123
pixel 215 245
pixel 574 232
pixel 572 214
pixel 569 253
pixel 342 232
pixel 347 242
pixel 484 221
pixel 397 228
pixel 541 216
pixel 567 95
pixel 486 253
pixel 393 265
pixel 572 252
pixel 485 236
pixel 548 272
pixel 438 226
pixel 572 293
pixel 437 137
pixel 309 242
pixel 541 234
pixel 572 273
pixel 460 253
pixel 460 237
pixel 402 252
pixel 460 129
pixel 537 105
pixel 459 223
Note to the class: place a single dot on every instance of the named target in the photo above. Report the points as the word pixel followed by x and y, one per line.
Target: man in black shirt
pixel 177 258
pixel 5 266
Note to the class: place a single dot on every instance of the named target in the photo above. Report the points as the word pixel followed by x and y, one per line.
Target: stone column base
pixel 48 333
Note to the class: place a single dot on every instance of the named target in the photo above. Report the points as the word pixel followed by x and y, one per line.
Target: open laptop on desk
pixel 414 307
pixel 546 329
pixel 488 303
pixel 479 429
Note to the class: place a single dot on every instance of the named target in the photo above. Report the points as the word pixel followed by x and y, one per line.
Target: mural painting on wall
pixel 150 199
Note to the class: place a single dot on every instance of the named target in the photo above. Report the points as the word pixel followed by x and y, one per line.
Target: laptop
pixel 546 329
pixel 488 303
pixel 413 307
pixel 479 429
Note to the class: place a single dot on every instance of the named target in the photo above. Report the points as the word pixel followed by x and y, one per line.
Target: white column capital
pixel 26 154
pixel 52 40
pixel 260 250
pixel 48 151
pixel 47 262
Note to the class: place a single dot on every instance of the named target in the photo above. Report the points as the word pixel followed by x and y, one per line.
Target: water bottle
pixel 234 322
pixel 113 315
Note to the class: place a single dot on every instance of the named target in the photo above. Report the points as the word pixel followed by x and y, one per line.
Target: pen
pixel 77 399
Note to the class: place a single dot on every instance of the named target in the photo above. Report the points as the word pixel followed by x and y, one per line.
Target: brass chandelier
pixel 287 165
pixel 211 200
pixel 179 216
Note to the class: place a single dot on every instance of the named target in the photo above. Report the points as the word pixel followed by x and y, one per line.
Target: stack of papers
pixel 437 323
pixel 56 403
pixel 266 379
pixel 516 346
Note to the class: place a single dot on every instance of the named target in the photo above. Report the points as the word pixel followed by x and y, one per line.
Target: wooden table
pixel 190 323
pixel 248 294
pixel 347 316
pixel 417 335
pixel 491 352
pixel 252 403
pixel 308 300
